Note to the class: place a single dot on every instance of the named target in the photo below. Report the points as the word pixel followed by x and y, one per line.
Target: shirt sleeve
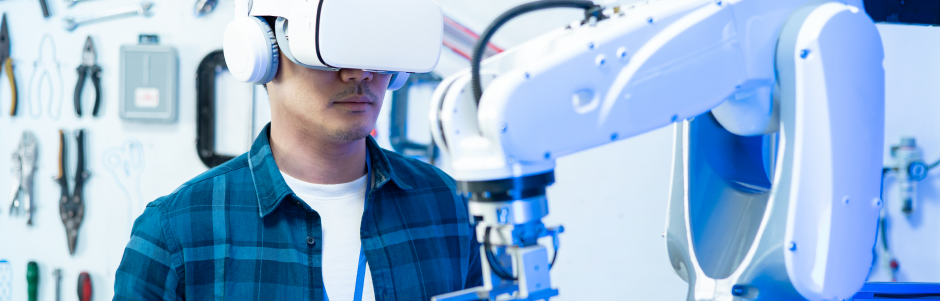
pixel 149 269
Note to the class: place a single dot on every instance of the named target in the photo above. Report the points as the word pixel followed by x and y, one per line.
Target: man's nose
pixel 355 75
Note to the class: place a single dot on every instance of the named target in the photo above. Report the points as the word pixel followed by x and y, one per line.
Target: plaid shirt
pixel 239 232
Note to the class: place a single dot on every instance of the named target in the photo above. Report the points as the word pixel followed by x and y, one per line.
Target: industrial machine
pixel 778 115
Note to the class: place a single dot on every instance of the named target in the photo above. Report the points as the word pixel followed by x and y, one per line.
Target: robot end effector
pixel 755 66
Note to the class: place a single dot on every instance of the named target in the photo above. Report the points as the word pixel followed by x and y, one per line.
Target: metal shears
pixel 72 205
pixel 24 164
pixel 7 62
pixel 88 66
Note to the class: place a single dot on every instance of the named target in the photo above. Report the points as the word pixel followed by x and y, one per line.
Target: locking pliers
pixel 24 164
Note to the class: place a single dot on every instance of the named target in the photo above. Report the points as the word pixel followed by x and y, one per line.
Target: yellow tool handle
pixel 8 66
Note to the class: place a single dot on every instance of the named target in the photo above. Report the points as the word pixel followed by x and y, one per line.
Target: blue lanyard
pixel 361 272
pixel 360 277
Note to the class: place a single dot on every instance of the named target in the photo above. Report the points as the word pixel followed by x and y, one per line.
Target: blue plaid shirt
pixel 239 232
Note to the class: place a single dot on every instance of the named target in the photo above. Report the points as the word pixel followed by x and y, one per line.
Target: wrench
pixel 143 9
pixel 71 3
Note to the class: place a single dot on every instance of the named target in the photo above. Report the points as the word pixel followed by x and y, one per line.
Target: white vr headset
pixel 383 36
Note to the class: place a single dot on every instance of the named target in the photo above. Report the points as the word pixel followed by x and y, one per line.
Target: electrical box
pixel 149 75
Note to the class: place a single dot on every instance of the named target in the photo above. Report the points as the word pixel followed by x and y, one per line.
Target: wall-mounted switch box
pixel 149 76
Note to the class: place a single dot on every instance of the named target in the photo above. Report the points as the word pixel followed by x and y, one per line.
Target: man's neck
pixel 309 157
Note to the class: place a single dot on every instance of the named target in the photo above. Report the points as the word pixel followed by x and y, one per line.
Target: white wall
pixel 169 148
pixel 912 68
pixel 612 199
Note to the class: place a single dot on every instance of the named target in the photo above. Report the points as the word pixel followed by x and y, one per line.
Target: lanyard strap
pixel 361 271
pixel 360 277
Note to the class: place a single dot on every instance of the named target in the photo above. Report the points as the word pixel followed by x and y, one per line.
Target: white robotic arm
pixel 808 72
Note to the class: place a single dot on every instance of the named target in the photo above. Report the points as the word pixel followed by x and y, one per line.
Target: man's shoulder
pixel 417 173
pixel 228 178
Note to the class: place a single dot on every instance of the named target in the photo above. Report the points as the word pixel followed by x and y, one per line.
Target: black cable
pixel 484 40
pixel 931 166
pixel 555 256
pixel 906 296
pixel 494 264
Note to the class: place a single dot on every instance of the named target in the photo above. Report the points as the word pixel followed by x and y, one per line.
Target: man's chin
pixel 351 133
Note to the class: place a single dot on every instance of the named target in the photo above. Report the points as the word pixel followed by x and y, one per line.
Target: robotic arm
pixel 779 113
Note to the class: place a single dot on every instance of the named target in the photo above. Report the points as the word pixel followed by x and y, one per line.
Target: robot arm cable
pixel 494 264
pixel 480 47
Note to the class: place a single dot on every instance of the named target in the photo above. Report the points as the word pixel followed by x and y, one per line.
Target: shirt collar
pixel 271 188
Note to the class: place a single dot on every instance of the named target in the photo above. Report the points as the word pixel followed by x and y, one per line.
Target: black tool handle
pixel 45 8
pixel 205 104
pixel 62 179
pixel 82 70
pixel 96 79
pixel 80 173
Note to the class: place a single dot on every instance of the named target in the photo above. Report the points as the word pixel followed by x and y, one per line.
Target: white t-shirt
pixel 340 207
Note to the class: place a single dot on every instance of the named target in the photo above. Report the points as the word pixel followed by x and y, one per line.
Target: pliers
pixel 24 164
pixel 72 205
pixel 88 66
pixel 7 62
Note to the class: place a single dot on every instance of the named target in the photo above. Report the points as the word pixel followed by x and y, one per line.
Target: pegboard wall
pixel 114 193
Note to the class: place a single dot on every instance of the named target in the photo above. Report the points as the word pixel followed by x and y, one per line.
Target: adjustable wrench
pixel 143 9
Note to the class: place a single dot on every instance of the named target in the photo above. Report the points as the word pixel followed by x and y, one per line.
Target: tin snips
pixel 24 164
pixel 72 205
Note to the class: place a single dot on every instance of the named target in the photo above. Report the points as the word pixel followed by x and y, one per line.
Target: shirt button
pixel 310 240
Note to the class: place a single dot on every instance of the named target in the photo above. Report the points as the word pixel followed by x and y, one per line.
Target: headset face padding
pixel 397 81
pixel 250 49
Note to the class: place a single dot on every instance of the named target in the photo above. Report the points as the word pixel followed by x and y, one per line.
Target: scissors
pixel 72 204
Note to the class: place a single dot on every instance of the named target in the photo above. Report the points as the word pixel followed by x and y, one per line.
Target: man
pixel 287 220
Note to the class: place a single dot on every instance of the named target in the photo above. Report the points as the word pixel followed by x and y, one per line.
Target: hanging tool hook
pixel 46 71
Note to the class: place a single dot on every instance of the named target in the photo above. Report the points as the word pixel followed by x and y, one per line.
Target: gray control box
pixel 149 76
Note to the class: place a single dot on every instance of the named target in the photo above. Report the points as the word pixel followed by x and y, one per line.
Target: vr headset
pixel 382 36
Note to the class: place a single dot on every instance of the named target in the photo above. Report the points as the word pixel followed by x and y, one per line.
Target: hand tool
pixel 7 62
pixel 57 273
pixel 6 281
pixel 45 9
pixel 24 164
pixel 143 9
pixel 84 287
pixel 46 73
pixel 204 7
pixel 72 206
pixel 71 3
pixel 32 280
pixel 88 66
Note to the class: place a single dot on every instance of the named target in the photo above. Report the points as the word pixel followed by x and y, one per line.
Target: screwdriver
pixel 32 280
pixel 84 287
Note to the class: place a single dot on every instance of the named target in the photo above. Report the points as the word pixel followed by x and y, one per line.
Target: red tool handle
pixel 84 287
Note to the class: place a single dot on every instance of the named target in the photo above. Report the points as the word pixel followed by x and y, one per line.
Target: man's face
pixel 339 105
